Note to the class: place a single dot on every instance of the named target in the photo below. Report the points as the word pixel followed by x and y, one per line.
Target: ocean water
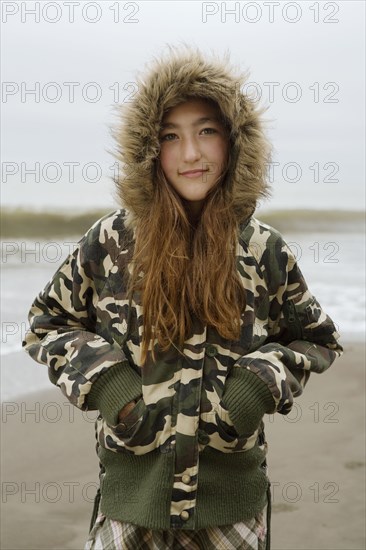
pixel 333 263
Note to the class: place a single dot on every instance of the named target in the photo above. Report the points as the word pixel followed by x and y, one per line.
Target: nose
pixel 190 150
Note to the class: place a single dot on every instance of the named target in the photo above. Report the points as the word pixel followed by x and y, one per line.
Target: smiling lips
pixel 193 173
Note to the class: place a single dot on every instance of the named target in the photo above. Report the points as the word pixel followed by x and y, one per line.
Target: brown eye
pixel 209 130
pixel 168 137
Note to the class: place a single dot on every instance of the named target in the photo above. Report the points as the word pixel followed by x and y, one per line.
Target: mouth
pixel 193 173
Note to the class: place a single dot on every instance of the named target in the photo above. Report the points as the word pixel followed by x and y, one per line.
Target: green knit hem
pixel 137 488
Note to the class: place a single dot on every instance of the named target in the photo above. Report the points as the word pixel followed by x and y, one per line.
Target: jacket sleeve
pixel 301 339
pixel 83 360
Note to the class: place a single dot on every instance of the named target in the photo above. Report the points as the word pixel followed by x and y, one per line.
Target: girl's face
pixel 194 148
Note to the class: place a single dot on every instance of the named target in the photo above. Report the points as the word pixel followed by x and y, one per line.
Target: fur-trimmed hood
pixel 185 72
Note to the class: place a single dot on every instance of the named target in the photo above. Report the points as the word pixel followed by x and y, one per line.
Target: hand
pixel 126 410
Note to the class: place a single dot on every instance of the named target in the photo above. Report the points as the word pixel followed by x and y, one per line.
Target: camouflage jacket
pixel 191 453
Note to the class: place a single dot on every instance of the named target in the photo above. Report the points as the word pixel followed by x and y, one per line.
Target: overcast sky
pixel 309 54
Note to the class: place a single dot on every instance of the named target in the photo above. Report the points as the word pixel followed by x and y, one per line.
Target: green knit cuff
pixel 113 390
pixel 247 398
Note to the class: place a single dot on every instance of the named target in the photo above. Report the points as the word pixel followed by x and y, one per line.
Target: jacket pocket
pixel 303 318
pixel 145 428
pixel 221 432
pixel 130 424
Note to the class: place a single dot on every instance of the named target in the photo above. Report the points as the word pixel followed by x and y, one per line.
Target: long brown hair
pixel 182 268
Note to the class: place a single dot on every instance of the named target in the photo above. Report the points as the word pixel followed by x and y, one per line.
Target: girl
pixel 183 320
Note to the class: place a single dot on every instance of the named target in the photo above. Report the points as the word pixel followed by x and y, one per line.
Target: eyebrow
pixel 198 122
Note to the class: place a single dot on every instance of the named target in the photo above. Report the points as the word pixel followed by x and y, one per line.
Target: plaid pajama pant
pixel 108 534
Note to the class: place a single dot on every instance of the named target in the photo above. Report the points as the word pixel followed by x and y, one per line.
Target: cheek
pixel 167 160
pixel 221 154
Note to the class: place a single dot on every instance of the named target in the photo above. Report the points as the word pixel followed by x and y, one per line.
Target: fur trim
pixel 184 73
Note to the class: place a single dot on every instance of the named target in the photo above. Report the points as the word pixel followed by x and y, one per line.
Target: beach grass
pixel 19 223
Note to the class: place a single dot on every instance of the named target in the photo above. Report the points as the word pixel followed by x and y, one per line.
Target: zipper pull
pixel 291 316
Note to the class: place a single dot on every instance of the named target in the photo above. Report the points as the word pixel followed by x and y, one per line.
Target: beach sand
pixel 316 466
